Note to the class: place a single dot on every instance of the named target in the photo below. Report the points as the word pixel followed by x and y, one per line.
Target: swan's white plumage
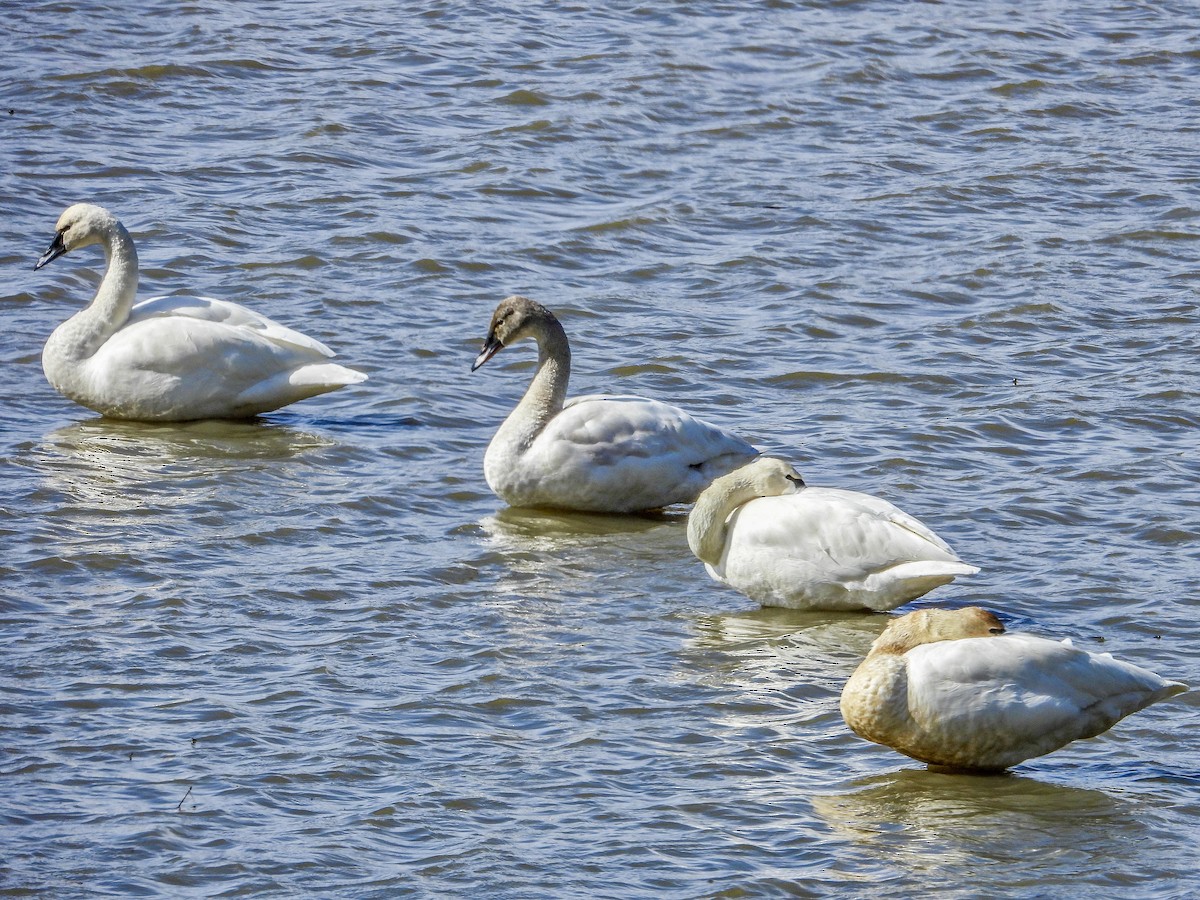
pixel 989 702
pixel 174 358
pixel 616 454
pixel 223 312
pixel 596 453
pixel 815 547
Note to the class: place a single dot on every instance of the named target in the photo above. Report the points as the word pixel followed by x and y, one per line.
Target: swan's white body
pixel 174 358
pixel 594 453
pixel 988 702
pixel 814 547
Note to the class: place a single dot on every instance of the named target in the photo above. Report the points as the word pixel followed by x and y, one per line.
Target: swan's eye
pixel 997 630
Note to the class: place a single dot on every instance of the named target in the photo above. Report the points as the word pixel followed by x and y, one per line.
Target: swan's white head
pixel 78 226
pixel 773 477
pixel 514 319
pixel 928 626
pixel 763 477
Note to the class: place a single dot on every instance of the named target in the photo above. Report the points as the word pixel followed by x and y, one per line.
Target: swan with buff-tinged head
pixel 171 359
pixel 762 531
pixel 595 453
pixel 950 688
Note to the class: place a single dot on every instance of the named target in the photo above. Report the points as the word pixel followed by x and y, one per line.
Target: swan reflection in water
pixel 544 529
pixel 925 820
pixel 109 462
pixel 784 648
pixel 551 551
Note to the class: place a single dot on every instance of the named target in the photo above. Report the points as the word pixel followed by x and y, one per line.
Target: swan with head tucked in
pixel 594 453
pixel 762 531
pixel 172 359
pixel 950 688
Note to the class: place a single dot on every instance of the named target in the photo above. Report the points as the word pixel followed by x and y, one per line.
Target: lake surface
pixel 943 253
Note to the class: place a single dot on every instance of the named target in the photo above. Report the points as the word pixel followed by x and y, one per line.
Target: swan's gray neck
pixel 547 392
pixel 83 334
pixel 706 523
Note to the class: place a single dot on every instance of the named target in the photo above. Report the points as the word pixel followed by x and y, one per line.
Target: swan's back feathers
pixel 225 313
pixel 829 548
pixel 1013 697
pixel 644 427
pixel 859 530
pixel 620 454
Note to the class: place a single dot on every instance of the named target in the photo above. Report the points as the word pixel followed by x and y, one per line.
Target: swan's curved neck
pixel 547 392
pixel 82 334
pixel 706 523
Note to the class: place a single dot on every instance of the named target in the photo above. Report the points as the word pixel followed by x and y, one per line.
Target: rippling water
pixel 945 253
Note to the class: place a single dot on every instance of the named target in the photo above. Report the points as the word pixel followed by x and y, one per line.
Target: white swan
pixel 950 688
pixel 173 358
pixel 596 453
pixel 760 530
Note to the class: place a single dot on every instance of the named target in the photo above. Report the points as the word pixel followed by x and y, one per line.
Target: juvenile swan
pixel 950 688
pixel 173 358
pixel 762 531
pixel 595 453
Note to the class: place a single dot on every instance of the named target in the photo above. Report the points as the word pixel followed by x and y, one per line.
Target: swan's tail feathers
pixel 328 375
pixel 1169 689
pixel 944 571
pixel 297 384
pixel 908 581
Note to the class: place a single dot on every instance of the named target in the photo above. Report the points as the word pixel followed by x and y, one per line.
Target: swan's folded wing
pixel 902 520
pixel 619 425
pixel 850 533
pixel 621 454
pixel 1025 689
pixel 225 313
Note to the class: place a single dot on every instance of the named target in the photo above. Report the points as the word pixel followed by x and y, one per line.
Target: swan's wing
pixel 616 427
pixel 222 312
pixel 874 514
pixel 627 453
pixel 846 531
pixel 1024 691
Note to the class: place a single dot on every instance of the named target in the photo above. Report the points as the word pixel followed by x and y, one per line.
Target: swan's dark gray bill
pixel 56 249
pixel 490 348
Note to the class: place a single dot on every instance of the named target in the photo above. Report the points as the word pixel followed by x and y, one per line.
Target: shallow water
pixel 945 253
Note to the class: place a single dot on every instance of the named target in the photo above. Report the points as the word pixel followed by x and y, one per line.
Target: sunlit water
pixel 945 253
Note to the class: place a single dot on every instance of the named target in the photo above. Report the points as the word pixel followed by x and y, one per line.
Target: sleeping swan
pixel 596 453
pixel 950 688
pixel 763 532
pixel 171 359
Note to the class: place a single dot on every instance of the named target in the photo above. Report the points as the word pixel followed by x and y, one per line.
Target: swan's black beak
pixel 796 480
pixel 56 249
pixel 491 347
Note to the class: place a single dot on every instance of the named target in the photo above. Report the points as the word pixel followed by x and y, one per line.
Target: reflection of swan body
pixel 173 359
pixel 596 453
pixel 111 465
pixel 762 531
pixel 949 688
pixel 950 821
